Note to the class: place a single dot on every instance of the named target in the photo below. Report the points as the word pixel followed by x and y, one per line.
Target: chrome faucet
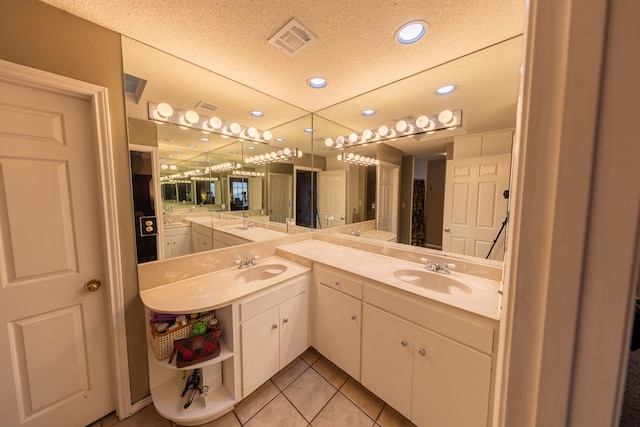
pixel 437 267
pixel 249 224
pixel 247 262
pixel 328 218
pixel 290 222
pixel 357 233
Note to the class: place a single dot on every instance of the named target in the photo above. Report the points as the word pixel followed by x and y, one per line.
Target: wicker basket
pixel 162 343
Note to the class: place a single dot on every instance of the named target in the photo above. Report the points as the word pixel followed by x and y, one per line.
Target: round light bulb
pixel 191 117
pixel 328 142
pixel 446 117
pixel 164 110
pixel 235 128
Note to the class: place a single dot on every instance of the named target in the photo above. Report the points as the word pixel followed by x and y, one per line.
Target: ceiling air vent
pixel 292 38
pixel 133 87
pixel 207 106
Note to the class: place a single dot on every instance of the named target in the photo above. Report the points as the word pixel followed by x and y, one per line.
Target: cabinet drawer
pixel 338 280
pixel 177 231
pixel 273 297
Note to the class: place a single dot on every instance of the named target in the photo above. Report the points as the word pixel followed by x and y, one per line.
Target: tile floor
pixel 310 391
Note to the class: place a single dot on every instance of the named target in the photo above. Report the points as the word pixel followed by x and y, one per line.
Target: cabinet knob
pixel 337 282
pixel 403 343
pixel 285 320
pixel 274 326
pixel 354 317
pixel 421 352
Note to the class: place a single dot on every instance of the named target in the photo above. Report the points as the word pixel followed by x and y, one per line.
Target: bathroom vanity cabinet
pixel 273 331
pixel 224 240
pixel 201 239
pixel 433 377
pixel 177 241
pixel 338 318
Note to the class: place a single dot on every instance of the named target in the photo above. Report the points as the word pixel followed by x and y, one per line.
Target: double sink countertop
pixel 470 293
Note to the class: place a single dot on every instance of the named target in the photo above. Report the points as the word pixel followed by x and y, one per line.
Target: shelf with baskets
pixel 216 394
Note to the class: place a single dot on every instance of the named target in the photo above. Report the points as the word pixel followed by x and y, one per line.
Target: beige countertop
pixel 212 290
pixel 376 235
pixel 255 234
pixel 237 228
pixel 484 298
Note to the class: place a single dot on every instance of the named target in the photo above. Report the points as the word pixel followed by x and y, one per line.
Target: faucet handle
pixel 426 261
pixel 449 266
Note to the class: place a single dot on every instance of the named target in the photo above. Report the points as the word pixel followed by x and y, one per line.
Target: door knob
pixel 93 285
pixel 447 229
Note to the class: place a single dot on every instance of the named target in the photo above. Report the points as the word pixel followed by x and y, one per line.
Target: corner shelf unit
pixel 167 381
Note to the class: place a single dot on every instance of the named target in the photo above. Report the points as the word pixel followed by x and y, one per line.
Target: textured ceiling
pixel 475 44
pixel 355 48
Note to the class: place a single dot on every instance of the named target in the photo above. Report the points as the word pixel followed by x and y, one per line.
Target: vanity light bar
pixel 223 167
pixel 357 159
pixel 164 113
pixel 248 173
pixel 446 119
pixel 274 156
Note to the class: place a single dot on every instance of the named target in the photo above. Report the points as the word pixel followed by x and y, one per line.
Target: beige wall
pixel 40 36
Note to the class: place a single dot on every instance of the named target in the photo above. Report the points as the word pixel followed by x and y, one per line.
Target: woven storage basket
pixel 163 343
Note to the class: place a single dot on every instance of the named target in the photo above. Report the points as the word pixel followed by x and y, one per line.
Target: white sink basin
pixel 436 282
pixel 259 272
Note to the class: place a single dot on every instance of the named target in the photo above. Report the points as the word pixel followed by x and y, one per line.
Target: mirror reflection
pixel 389 176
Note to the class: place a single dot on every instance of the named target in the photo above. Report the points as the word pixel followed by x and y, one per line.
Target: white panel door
pixel 474 206
pixel 293 329
pixel 451 382
pixel 332 197
pixel 280 192
pixel 55 333
pixel 260 350
pixel 338 329
pixel 387 357
pixel 387 197
pixel 255 194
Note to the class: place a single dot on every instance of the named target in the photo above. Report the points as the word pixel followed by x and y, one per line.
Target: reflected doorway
pixel 306 200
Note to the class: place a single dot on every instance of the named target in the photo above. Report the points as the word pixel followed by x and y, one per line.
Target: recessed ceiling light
pixel 411 32
pixel 446 89
pixel 309 130
pixel 234 152
pixel 204 139
pixel 192 145
pixel 256 113
pixel 368 112
pixel 251 147
pixel 279 139
pixel 178 152
pixel 317 82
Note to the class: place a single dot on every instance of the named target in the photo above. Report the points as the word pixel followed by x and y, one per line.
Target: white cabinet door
pixel 451 382
pixel 260 354
pixel 293 329
pixel 387 357
pixel 338 329
pixel 181 245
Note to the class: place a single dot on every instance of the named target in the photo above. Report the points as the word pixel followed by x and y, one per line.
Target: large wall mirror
pixel 344 164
